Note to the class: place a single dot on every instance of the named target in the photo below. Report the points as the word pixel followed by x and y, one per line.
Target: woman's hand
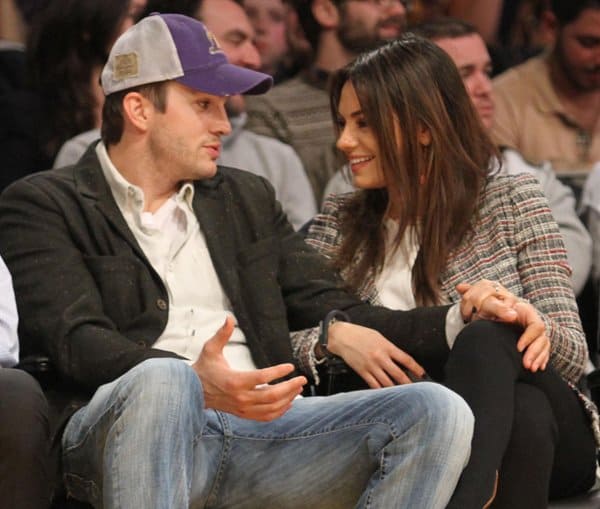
pixel 534 341
pixel 371 355
pixel 476 303
pixel 491 301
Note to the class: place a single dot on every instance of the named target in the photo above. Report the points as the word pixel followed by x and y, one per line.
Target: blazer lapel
pixel 216 216
pixel 92 185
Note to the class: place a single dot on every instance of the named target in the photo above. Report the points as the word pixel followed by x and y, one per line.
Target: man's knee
pixel 159 384
pixel 444 411
pixel 447 407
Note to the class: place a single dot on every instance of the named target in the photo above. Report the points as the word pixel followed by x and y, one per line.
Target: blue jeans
pixel 146 441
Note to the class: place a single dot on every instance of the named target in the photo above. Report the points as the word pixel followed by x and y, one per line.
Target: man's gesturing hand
pixel 244 393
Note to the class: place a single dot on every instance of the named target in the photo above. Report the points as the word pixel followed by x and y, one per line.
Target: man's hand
pixel 491 301
pixel 244 393
pixel 371 355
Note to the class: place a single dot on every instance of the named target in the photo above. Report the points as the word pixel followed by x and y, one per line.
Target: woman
pixel 430 214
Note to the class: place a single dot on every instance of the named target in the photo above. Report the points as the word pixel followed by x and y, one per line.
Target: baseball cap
pixel 175 47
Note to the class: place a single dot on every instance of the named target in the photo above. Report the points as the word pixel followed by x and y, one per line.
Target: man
pixel 297 111
pixel 262 155
pixel 163 288
pixel 468 51
pixel 549 107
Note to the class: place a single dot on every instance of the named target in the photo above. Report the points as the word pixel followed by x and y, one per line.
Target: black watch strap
pixel 330 318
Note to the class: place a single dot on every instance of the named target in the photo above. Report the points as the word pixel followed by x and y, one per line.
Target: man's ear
pixel 137 110
pixel 548 27
pixel 424 136
pixel 326 13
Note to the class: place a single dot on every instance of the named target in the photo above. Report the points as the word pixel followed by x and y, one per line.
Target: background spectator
pixel 19 108
pixel 67 48
pixel 270 21
pixel 548 108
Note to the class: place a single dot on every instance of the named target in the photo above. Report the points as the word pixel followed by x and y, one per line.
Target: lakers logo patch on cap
pixel 214 44
pixel 126 66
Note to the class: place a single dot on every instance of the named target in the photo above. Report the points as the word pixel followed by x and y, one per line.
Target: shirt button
pixel 162 304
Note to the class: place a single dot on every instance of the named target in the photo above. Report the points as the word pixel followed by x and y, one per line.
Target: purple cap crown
pixel 175 47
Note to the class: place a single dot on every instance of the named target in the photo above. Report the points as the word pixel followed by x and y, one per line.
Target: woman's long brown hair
pixel 412 84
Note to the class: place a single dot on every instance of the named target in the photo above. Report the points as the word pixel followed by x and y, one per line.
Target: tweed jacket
pixel 515 241
pixel 89 298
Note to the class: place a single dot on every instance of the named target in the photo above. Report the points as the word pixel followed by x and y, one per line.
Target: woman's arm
pixel 544 273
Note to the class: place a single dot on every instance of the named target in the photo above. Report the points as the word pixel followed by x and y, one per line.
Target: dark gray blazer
pixel 89 298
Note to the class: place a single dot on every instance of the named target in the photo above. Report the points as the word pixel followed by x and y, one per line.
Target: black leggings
pixel 530 427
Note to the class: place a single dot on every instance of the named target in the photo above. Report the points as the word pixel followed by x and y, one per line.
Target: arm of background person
pixel 575 235
pixel 9 341
pixel 590 208
pixel 297 196
pixel 73 149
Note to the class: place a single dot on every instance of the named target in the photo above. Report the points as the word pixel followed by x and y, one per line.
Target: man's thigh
pixel 321 453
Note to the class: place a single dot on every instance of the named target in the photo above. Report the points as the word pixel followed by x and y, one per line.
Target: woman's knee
pixel 487 341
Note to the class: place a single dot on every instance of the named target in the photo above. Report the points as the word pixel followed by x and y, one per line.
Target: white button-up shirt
pixel 174 244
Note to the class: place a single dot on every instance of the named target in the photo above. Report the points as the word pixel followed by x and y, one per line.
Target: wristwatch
pixel 330 318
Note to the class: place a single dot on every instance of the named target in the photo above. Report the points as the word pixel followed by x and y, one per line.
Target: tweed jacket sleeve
pixel 516 241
